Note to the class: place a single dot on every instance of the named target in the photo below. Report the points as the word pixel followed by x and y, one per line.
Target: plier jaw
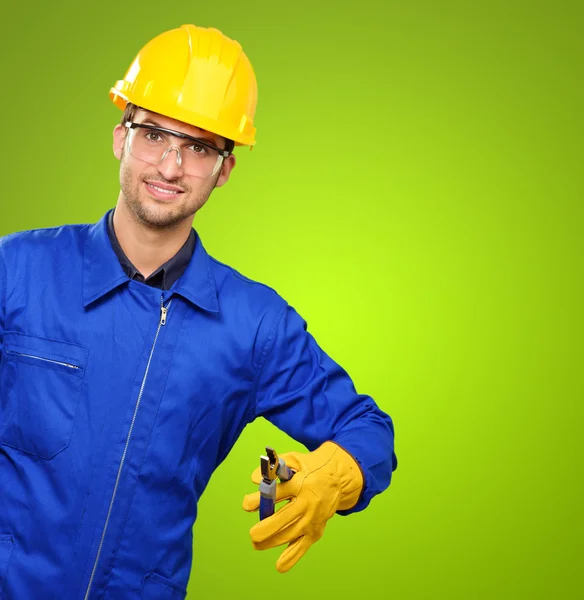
pixel 269 465
pixel 272 468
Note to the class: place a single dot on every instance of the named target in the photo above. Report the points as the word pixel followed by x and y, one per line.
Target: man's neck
pixel 146 248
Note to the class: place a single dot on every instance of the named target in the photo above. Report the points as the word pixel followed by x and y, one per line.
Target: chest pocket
pixel 40 386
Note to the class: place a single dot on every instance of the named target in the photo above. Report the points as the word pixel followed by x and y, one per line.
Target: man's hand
pixel 326 480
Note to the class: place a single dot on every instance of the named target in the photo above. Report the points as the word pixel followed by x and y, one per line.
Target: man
pixel 131 360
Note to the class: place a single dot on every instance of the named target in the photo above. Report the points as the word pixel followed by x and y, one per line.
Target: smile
pixel 159 189
pixel 162 194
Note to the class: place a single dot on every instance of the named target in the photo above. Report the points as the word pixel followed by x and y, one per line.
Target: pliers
pixel 272 468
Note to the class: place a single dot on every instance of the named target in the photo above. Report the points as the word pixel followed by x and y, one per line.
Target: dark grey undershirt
pixel 164 277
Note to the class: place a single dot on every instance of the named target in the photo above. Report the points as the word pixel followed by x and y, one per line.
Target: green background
pixel 416 194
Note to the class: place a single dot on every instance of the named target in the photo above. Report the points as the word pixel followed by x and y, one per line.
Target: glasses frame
pixel 220 151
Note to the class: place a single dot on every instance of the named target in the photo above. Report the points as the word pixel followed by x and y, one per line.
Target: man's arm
pixel 309 396
pixel 3 277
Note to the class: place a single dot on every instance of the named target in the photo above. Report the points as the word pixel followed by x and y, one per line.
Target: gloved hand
pixel 326 480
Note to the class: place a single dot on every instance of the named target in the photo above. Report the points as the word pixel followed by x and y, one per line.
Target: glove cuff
pixel 347 472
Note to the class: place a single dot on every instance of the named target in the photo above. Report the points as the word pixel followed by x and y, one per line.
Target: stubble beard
pixel 166 219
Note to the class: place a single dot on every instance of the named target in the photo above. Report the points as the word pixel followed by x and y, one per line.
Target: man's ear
pixel 120 133
pixel 228 166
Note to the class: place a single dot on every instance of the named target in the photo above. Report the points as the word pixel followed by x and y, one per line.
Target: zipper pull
pixel 163 311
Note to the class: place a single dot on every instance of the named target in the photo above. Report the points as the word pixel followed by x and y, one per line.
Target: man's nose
pixel 169 166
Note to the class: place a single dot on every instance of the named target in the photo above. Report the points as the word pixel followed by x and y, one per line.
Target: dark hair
pixel 131 109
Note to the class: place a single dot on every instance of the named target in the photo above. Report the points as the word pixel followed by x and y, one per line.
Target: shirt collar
pixel 102 271
pixel 165 276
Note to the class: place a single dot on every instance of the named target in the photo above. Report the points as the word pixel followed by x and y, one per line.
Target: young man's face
pixel 152 207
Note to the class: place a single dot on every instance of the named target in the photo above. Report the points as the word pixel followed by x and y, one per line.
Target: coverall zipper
pixel 161 322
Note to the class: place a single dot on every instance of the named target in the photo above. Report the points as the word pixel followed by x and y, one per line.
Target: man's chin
pixel 163 221
pixel 157 215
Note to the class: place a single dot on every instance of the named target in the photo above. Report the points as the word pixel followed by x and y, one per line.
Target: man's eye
pixel 198 149
pixel 153 136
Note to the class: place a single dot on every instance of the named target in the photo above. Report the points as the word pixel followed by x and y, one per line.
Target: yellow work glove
pixel 326 480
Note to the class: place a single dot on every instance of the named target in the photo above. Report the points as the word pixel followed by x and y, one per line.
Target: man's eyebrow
pixel 194 137
pixel 152 122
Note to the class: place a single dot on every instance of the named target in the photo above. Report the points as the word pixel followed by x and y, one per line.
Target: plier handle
pixel 272 468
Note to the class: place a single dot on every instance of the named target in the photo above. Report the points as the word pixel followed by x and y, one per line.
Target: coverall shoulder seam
pixel 242 277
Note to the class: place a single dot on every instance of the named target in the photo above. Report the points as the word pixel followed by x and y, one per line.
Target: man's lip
pixel 164 186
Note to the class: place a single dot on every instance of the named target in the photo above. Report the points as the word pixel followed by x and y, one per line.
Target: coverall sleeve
pixel 2 296
pixel 302 391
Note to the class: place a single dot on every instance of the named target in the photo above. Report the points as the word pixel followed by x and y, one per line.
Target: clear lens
pixel 153 147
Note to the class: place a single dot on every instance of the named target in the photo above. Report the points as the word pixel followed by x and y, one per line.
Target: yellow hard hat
pixel 198 76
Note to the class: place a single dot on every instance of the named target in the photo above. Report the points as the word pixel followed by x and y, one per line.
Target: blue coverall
pixel 119 400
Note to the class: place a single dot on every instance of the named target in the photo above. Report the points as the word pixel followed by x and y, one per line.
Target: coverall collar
pixel 102 271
